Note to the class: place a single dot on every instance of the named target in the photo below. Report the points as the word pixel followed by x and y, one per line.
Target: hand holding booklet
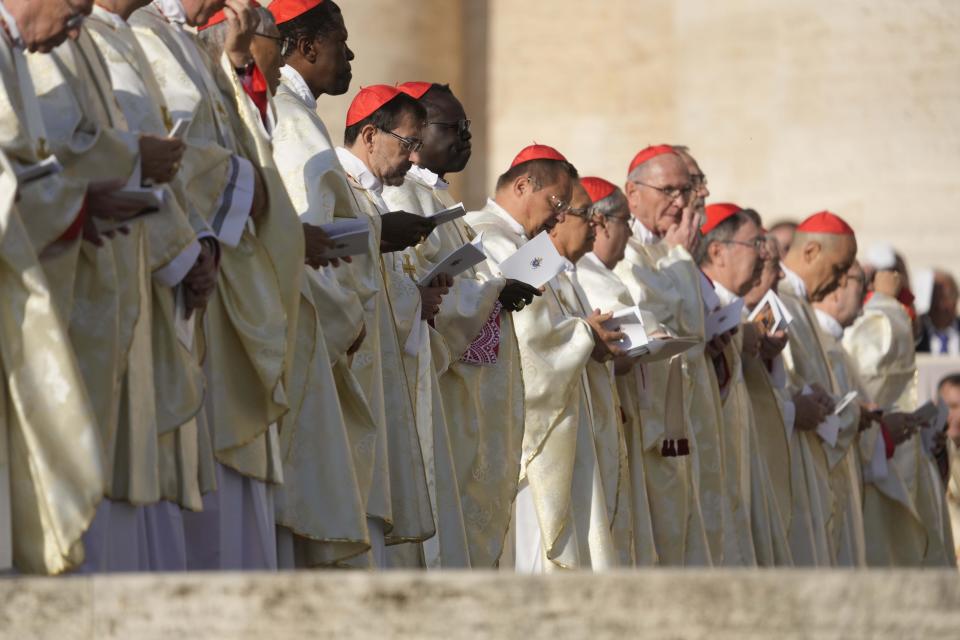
pixel 637 343
pixel 535 263
pixel 448 215
pixel 351 238
pixel 724 319
pixel 458 261
pixel 771 314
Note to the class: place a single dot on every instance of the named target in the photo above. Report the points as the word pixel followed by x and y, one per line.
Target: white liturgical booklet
pixel 724 319
pixel 845 402
pixel 535 263
pixel 771 314
pixel 934 418
pixel 351 238
pixel 180 128
pixel 458 261
pixel 447 215
pixel 665 348
pixel 42 169
pixel 829 429
pixel 630 322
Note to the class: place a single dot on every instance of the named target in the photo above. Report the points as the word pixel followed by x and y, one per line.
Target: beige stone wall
pixel 791 107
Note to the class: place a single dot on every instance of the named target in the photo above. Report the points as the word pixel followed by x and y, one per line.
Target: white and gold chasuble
pixel 559 457
pixel 686 492
pixel 880 344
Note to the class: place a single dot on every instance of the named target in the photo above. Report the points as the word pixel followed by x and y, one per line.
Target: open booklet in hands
pixel 350 237
pixel 638 343
pixel 770 314
pixel 458 261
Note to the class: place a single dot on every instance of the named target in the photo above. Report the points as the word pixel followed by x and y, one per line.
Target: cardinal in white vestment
pixel 561 519
pixel 52 473
pixel 382 128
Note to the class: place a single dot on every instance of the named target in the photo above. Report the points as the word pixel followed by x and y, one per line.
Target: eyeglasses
pixel 671 192
pixel 624 221
pixel 559 205
pixel 407 144
pixel 583 212
pixel 462 126
pixel 759 243
pixel 279 39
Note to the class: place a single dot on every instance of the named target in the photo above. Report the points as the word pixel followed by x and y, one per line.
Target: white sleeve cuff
pixel 176 270
pixel 233 209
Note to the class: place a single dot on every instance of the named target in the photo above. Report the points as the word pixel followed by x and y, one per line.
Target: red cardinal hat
pixel 597 188
pixel 286 10
pixel 717 213
pixel 649 153
pixel 219 17
pixel 415 90
pixel 369 100
pixel 537 152
pixel 825 222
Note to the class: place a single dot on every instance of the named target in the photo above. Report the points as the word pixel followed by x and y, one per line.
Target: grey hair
pixel 610 205
pixel 724 232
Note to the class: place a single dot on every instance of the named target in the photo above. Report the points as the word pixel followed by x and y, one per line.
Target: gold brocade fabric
pixel 686 492
pixel 881 345
pixel 176 377
pixel 773 449
pixel 50 441
pixel 399 494
pixel 559 458
pixel 332 441
pixel 815 505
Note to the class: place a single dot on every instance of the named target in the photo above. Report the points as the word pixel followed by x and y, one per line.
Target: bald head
pixel 844 303
pixel 821 260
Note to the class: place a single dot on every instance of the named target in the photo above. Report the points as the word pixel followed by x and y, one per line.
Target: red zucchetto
pixel 369 100
pixel 648 154
pixel 825 222
pixel 415 90
pixel 286 10
pixel 717 213
pixel 537 152
pixel 219 17
pixel 597 188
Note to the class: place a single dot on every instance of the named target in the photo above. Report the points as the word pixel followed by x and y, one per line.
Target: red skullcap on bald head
pixel 537 152
pixel 368 101
pixel 286 10
pixel 825 222
pixel 597 188
pixel 650 153
pixel 219 17
pixel 415 90
pixel 717 213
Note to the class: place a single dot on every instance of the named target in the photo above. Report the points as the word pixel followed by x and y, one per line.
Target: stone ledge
pixel 334 604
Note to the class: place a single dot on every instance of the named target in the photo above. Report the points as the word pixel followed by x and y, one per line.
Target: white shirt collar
pixel 428 177
pixel 109 16
pixel 795 281
pixel 726 296
pixel 298 85
pixel 515 226
pixel 829 324
pixel 568 266
pixel 356 169
pixel 595 260
pixel 15 37
pixel 172 10
pixel 641 233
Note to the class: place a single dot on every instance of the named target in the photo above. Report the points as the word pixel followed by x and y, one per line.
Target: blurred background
pixel 790 107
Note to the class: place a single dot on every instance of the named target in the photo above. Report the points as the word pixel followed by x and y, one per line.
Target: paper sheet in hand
pixel 724 319
pixel 630 322
pixel 665 348
pixel 771 314
pixel 934 418
pixel 458 261
pixel 829 429
pixel 452 213
pixel 845 402
pixel 180 128
pixel 351 238
pixel 38 170
pixel 535 263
